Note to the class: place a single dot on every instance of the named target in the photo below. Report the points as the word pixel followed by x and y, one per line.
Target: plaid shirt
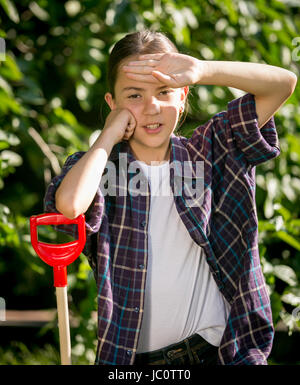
pixel 224 225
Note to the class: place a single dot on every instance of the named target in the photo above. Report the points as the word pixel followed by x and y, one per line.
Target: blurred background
pixel 53 57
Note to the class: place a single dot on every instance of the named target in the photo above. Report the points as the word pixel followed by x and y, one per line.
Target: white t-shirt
pixel 181 295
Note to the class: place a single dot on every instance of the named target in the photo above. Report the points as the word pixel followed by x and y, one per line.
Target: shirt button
pixel 136 309
pixel 129 352
pixel 143 223
pixel 141 266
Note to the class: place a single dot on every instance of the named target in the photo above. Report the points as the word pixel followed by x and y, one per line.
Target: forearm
pixel 270 85
pixel 255 78
pixel 78 188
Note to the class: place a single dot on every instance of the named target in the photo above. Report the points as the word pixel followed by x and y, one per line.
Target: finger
pixel 138 69
pixel 130 126
pixel 153 56
pixel 150 62
pixel 164 78
pixel 142 78
pixel 131 123
pixel 127 135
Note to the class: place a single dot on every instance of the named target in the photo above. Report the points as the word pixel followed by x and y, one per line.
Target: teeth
pixel 153 126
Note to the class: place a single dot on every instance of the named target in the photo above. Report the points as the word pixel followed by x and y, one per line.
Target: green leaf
pixel 265 226
pixel 12 158
pixel 268 207
pixel 32 94
pixel 95 70
pixel 283 211
pixel 39 12
pixel 8 103
pixel 84 270
pixel 10 10
pixel 66 116
pixel 5 86
pixel 68 134
pixel 10 138
pixel 294 144
pixel 3 145
pixel 37 268
pixel 276 306
pixel 10 69
pixel 292 296
pixel 295 223
pixel 288 239
pixel 286 274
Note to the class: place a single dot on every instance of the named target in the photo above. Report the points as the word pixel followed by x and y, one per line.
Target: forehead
pixel 123 83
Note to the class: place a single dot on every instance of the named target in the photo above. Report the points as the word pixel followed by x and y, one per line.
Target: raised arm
pixel 79 186
pixel 270 85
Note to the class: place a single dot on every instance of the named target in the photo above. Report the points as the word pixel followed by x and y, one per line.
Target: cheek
pixel 172 112
pixel 135 110
pixel 169 111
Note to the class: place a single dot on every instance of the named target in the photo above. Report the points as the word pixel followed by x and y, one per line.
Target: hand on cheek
pixel 130 129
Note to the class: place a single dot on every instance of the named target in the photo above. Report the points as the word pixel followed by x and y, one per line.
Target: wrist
pixel 205 70
pixel 104 141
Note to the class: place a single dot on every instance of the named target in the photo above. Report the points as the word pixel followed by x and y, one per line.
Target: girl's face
pixel 151 104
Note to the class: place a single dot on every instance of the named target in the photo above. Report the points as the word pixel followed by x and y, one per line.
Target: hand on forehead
pixel 172 69
pixel 140 69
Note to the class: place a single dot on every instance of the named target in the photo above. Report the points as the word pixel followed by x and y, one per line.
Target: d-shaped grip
pixel 58 255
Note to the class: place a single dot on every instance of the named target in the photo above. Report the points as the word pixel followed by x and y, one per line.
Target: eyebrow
pixel 142 89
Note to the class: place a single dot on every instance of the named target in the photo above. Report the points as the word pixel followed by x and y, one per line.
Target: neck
pixel 149 155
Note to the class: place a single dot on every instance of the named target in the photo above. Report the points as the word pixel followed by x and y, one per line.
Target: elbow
pixel 67 206
pixel 285 87
pixel 291 83
pixel 68 213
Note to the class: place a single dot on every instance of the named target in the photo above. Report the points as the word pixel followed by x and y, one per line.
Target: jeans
pixel 191 351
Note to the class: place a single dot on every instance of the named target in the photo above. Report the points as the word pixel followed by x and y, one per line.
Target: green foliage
pixel 20 354
pixel 52 87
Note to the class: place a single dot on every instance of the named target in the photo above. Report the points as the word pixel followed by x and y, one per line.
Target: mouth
pixel 153 128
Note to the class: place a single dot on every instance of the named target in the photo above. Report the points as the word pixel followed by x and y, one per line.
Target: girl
pixel 178 283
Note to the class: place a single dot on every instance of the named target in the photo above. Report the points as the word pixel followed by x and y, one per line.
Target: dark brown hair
pixel 137 43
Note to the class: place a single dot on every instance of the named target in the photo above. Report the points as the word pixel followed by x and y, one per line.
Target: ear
pixel 184 92
pixel 183 95
pixel 110 101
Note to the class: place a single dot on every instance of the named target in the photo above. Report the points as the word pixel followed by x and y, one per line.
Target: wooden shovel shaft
pixel 63 325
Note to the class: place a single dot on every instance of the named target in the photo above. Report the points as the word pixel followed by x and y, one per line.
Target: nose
pixel 151 106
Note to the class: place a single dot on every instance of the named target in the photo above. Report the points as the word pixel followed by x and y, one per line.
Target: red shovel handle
pixel 61 255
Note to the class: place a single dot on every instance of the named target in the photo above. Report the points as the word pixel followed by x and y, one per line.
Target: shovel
pixel 59 257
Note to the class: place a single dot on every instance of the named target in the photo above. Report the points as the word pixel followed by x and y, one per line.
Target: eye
pixel 165 92
pixel 137 96
pixel 134 96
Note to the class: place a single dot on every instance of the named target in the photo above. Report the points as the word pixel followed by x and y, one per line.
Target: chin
pixel 152 142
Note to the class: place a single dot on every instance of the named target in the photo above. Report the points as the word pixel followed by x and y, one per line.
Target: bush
pixel 52 87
